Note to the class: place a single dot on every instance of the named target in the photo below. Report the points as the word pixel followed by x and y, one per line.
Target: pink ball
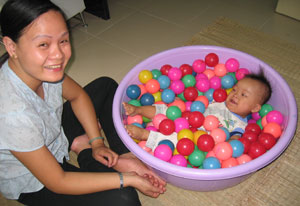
pixel 163 152
pixel 231 162
pixel 223 150
pixel 199 66
pixel 202 85
pixel 232 65
pixel 218 135
pixel 215 82
pixel 241 73
pixel 157 120
pixel 275 116
pixel 175 73
pixel 209 73
pixel 151 128
pixel 179 160
pixel 152 86
pixel 181 123
pixel 220 70
pixel 201 76
pixel 177 86
pixel 135 119
pixel 251 121
pixel 255 116
pixel 188 105
pixel 142 144
pixel 210 154
pixel 211 122
pixel 244 158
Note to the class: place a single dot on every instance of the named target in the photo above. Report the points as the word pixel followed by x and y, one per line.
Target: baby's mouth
pixel 232 101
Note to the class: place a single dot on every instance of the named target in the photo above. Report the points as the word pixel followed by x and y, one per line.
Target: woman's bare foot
pixel 80 143
pixel 137 132
pixel 130 109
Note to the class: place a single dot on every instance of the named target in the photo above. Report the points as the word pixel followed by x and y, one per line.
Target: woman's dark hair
pixel 16 15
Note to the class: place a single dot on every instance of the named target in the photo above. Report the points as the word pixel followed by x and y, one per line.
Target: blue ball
pixel 147 99
pixel 209 94
pixel 226 132
pixel 167 96
pixel 237 147
pixel 164 81
pixel 138 125
pixel 198 106
pixel 227 81
pixel 167 142
pixel 133 91
pixel 211 163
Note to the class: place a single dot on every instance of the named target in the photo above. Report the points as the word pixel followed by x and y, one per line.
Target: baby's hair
pixel 260 77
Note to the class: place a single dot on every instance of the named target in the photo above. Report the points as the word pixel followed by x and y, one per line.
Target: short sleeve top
pixel 27 122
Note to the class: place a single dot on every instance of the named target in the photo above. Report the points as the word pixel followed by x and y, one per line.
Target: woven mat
pixel 278 184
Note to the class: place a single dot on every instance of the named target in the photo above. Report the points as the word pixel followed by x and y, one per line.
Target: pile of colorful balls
pixel 187 91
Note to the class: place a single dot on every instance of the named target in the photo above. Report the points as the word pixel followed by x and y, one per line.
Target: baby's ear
pixel 256 108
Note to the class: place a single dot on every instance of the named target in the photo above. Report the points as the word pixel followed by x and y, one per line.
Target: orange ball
pixel 273 129
pixel 220 70
pixel 179 103
pixel 209 73
pixel 203 99
pixel 135 119
pixel 143 89
pixel 211 122
pixel 231 162
pixel 152 86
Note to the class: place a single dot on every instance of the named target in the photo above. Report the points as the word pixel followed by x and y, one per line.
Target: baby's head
pixel 249 94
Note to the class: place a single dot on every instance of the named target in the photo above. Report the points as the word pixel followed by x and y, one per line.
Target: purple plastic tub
pixel 215 179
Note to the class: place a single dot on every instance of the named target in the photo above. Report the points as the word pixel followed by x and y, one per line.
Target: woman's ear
pixel 256 108
pixel 10 46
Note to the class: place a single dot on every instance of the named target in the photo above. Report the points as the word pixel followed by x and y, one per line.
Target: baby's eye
pixel 244 95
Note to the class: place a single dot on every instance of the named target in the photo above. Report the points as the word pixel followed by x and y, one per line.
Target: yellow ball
pixel 136 141
pixel 228 90
pixel 175 152
pixel 157 96
pixel 197 134
pixel 185 133
pixel 145 76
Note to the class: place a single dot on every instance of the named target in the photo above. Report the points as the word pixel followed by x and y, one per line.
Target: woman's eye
pixel 64 41
pixel 43 45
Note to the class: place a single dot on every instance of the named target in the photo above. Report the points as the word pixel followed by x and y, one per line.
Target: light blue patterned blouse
pixel 27 123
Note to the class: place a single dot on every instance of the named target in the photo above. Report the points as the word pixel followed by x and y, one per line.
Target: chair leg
pixel 84 24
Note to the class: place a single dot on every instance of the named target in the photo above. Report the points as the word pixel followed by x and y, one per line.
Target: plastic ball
pixel 168 96
pixel 218 135
pixel 255 116
pixel 190 93
pixel 267 140
pixel 145 76
pixel 156 73
pixel 163 152
pixel 151 128
pixel 197 106
pixel 220 70
pixel 199 66
pixel 220 95
pixel 180 124
pixel 223 150
pixel 196 158
pixel 167 127
pixel 265 109
pixel 133 91
pixel 232 65
pixel 164 81
pixel 259 123
pixel 275 116
pixel 209 94
pixel 185 146
pixel 244 158
pixel 135 102
pixel 227 81
pixel 264 121
pixel 215 82
pixel 202 85
pixel 173 112
pixel 197 134
pixel 179 160
pixel 205 143
pixel 143 90
pixel 177 86
pixel 157 96
pixel 251 136
pixel 185 133
pixel 152 86
pixel 157 120
pixel 189 80
pixel 135 119
pixel 256 149
pixel 231 162
pixel 211 163
pixel 209 73
pixel 179 103
pixel 165 69
pixel 203 99
pixel 147 99
pixel 174 74
pixel 226 132
pixel 196 119
pixel 168 143
pixel 211 122
pixel 241 73
pixel 273 129
pixel 211 59
pixel 188 105
pixel 186 69
pixel 253 127
pixel 142 144
pixel 246 144
pixel 138 125
pixel 201 76
pixel 237 147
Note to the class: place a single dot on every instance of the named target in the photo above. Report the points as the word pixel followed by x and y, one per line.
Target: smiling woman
pixel 37 130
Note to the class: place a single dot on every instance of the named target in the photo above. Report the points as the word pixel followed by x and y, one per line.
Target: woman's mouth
pixel 55 68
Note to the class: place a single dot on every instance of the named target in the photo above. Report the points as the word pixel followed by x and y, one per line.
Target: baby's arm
pixel 146 111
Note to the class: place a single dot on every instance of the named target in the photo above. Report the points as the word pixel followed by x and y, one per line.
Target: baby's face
pixel 245 97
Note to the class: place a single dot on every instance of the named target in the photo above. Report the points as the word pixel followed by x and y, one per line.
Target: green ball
pixel 156 73
pixel 189 166
pixel 135 102
pixel 181 96
pixel 173 112
pixel 259 123
pixel 189 80
pixel 200 93
pixel 146 120
pixel 265 109
pixel 233 75
pixel 196 158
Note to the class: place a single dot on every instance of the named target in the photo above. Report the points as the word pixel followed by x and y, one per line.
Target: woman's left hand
pixel 105 155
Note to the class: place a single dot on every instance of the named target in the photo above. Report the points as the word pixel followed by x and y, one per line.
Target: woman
pixel 37 129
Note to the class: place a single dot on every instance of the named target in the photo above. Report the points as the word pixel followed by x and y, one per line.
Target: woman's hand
pixel 105 155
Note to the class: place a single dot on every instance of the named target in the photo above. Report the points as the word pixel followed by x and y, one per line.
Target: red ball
pixel 267 140
pixel 251 136
pixel 256 149
pixel 190 93
pixel 253 127
pixel 205 143
pixel 220 95
pixel 186 114
pixel 165 69
pixel 167 126
pixel 185 146
pixel 246 144
pixel 186 69
pixel 196 119
pixel 211 59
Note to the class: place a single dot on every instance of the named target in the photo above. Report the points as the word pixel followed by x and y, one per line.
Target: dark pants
pixel 101 92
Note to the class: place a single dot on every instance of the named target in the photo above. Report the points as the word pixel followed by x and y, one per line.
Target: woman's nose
pixel 57 52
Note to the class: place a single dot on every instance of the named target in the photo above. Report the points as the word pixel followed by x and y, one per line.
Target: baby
pixel 246 97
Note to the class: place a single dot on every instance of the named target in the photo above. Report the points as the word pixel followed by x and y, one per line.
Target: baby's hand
pixel 105 156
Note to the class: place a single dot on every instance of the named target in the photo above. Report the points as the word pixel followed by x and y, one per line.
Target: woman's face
pixel 43 50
